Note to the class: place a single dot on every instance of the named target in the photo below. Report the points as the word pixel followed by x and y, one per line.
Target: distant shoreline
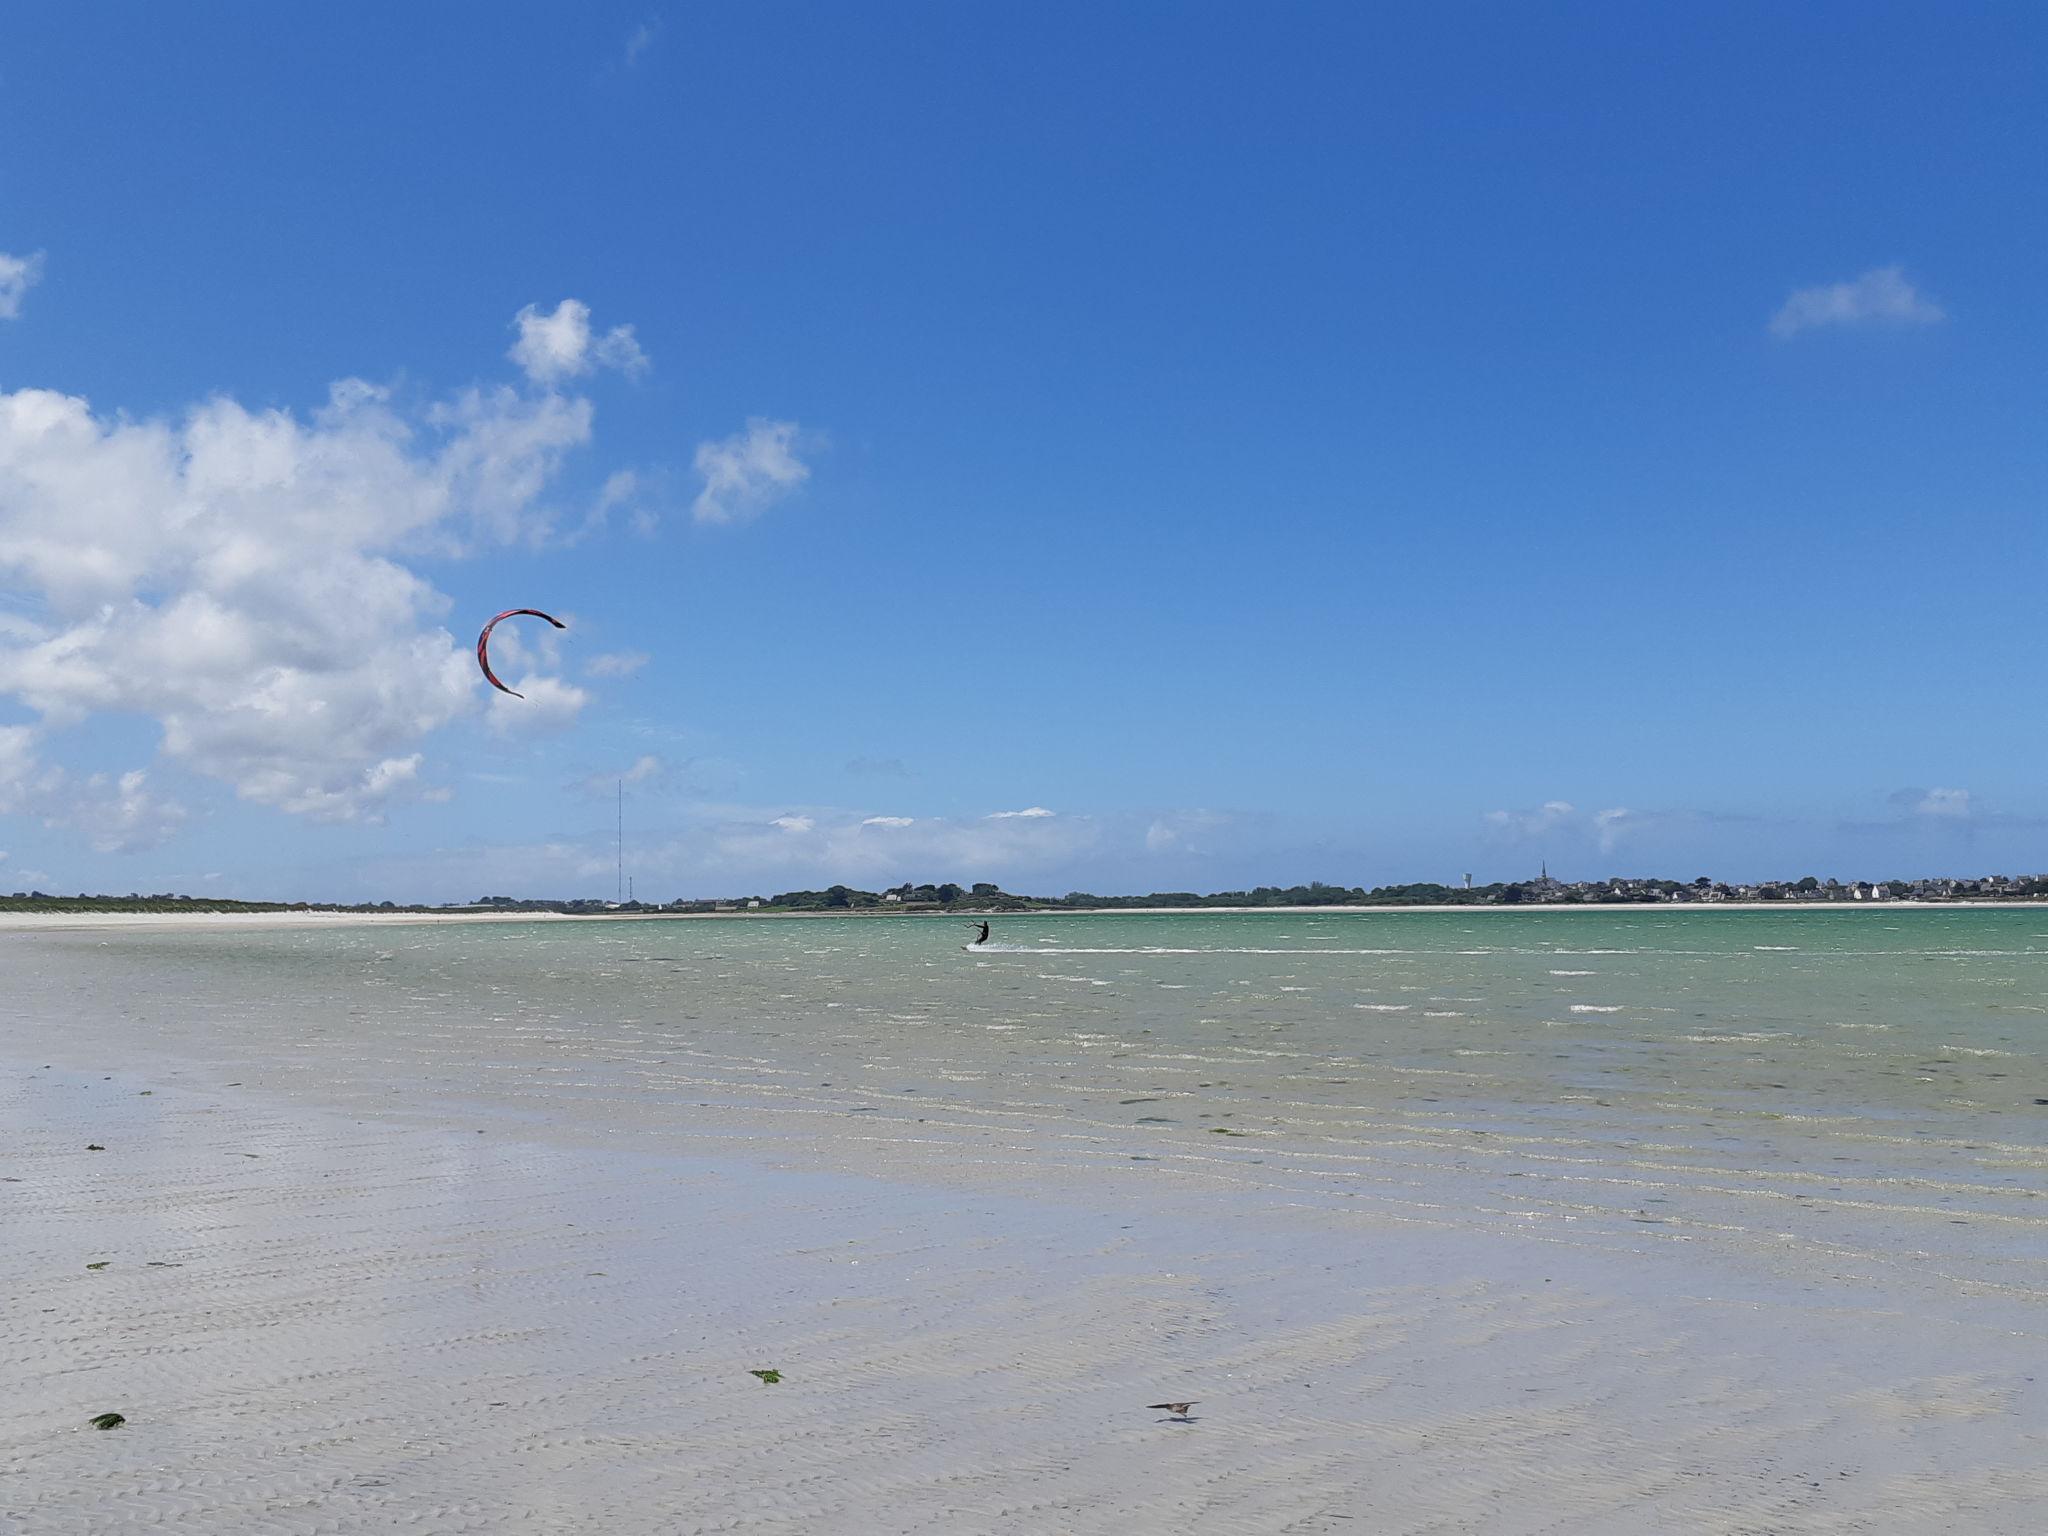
pixel 48 922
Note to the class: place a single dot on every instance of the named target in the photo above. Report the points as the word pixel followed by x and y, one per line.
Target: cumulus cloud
pixel 545 705
pixel 238 577
pixel 1936 804
pixel 616 664
pixel 1552 815
pixel 623 489
pixel 560 346
pixel 746 473
pixel 121 814
pixel 18 274
pixel 642 770
pixel 1560 823
pixel 833 845
pixel 1028 811
pixel 1940 813
pixel 1175 831
pixel 115 814
pixel 1881 296
pixel 1613 828
pixel 722 848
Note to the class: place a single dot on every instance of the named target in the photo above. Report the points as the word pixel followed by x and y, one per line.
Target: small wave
pixel 1152 949
pixel 1790 949
pixel 1383 1007
pixel 1575 973
pixel 1596 1008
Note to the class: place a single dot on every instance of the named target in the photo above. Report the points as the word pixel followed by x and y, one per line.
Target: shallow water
pixel 1836 1095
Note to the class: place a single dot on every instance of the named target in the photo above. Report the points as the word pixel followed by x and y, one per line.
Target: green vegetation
pixel 37 901
pixel 986 898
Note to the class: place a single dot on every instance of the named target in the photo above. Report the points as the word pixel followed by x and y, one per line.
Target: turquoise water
pixel 1853 1091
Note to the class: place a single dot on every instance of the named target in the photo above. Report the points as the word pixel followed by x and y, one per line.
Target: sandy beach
pixel 391 1304
pixel 56 922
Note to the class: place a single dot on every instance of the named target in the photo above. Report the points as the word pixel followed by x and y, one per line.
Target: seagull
pixel 1178 1410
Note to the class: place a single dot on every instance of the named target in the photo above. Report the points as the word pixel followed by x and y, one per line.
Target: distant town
pixel 1544 890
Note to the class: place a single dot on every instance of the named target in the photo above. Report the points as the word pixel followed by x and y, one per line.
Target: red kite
pixel 483 644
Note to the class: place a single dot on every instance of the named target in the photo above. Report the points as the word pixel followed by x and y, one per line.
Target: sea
pixel 1838 1095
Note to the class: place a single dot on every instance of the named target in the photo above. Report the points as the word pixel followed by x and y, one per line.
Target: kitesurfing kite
pixel 483 644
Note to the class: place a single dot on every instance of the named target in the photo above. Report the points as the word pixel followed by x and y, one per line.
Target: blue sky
pixel 1363 443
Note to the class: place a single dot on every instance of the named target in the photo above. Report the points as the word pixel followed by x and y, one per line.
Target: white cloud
pixel 124 815
pixel 1610 828
pixel 642 39
pixel 747 472
pixel 236 576
pixel 560 346
pixel 1553 815
pixel 18 274
pixel 1030 811
pixel 1175 831
pixel 546 704
pixel 722 848
pixel 1881 296
pixel 117 815
pixel 622 489
pixel 1942 805
pixel 1558 824
pixel 616 664
pixel 832 845
pixel 605 783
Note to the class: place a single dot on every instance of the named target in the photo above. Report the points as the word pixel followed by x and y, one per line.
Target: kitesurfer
pixel 982 937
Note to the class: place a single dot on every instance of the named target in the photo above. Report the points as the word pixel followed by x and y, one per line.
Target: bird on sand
pixel 1178 1410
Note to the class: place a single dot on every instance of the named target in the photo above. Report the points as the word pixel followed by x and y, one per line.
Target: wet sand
pixel 317 1320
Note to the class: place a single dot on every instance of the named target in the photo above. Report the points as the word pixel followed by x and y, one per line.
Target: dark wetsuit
pixel 984 934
